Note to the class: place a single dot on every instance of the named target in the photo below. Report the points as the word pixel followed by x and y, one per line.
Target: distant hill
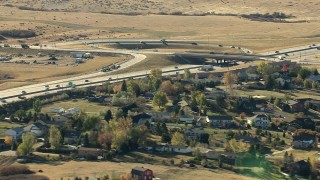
pixel 305 8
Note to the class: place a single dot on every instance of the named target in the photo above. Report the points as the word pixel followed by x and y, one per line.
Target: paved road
pixel 100 77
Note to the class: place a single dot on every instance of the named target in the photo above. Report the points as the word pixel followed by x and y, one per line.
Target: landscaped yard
pixel 84 105
pixel 7 125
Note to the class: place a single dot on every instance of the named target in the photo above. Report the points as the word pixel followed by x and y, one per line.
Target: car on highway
pixel 220 45
pixel 276 51
pixel 110 78
pixel 212 53
pixel 21 97
pixel 23 92
pixel 233 47
pixel 176 67
pixel 86 80
pixel 3 100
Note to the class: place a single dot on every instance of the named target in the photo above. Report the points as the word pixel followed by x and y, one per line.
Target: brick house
pixel 140 173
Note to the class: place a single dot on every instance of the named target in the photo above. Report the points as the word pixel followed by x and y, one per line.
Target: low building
pixel 59 119
pixel 161 116
pixel 259 121
pixel 173 148
pixel 193 133
pixel 202 121
pixel 91 153
pixel 140 173
pixel 141 119
pixel 58 110
pixel 188 119
pixel 220 121
pixel 73 111
pixel 301 123
pixel 305 141
pixel 295 106
pixel 14 133
pixel 71 137
pixel 38 129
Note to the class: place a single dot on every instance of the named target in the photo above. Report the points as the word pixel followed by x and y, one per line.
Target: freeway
pixel 98 78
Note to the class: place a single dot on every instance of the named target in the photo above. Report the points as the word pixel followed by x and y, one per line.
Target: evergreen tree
pixel 124 86
pixel 108 116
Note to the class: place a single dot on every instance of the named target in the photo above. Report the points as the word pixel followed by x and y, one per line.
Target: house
pixel 206 68
pixel 77 54
pixel 193 133
pixel 304 141
pixel 58 110
pixel 301 168
pixel 94 153
pixel 282 81
pixel 314 78
pixel 247 139
pixel 173 148
pixel 140 173
pixel 220 121
pixel 295 106
pixel 301 123
pixel 160 116
pixel 202 121
pixel 38 129
pixel 14 133
pixel 141 119
pixel 188 119
pixel 214 93
pixel 59 119
pixel 212 154
pixel 260 120
pixel 73 111
pixel 71 137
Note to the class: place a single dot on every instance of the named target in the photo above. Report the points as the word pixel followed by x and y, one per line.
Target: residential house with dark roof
pixel 71 137
pixel 295 106
pixel 186 119
pixel 14 133
pixel 194 133
pixel 220 121
pixel 301 168
pixel 314 78
pixel 38 129
pixel 301 123
pixel 141 173
pixel 141 119
pixel 304 141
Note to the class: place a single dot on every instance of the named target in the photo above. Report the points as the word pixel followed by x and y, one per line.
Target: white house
pixel 73 111
pixel 14 133
pixel 58 110
pixel 173 148
pixel 260 120
pixel 186 119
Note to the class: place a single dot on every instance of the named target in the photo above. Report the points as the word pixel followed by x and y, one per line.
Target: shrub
pixel 18 33
pixel 15 169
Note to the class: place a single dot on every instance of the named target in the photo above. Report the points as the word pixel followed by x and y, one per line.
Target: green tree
pixel 156 82
pixel 307 84
pixel 107 87
pixel 26 147
pixel 277 102
pixel 261 67
pixel 315 85
pixel 55 137
pixel 124 86
pixel 156 73
pixel 178 139
pixel 197 154
pixel 108 116
pixel 187 74
pixel 37 106
pixel 160 99
pixel 21 114
pixel 201 100
pixel 269 82
pixel 304 72
pixel 91 122
pixel 134 88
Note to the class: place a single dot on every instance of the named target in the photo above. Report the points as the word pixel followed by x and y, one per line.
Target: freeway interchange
pixel 98 78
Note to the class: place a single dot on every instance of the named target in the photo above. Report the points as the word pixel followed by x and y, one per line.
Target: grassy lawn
pixel 7 125
pixel 84 105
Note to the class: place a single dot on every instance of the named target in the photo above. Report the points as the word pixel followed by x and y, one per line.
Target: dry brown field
pixel 100 169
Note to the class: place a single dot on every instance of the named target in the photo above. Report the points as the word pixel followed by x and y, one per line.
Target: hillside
pixel 307 8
